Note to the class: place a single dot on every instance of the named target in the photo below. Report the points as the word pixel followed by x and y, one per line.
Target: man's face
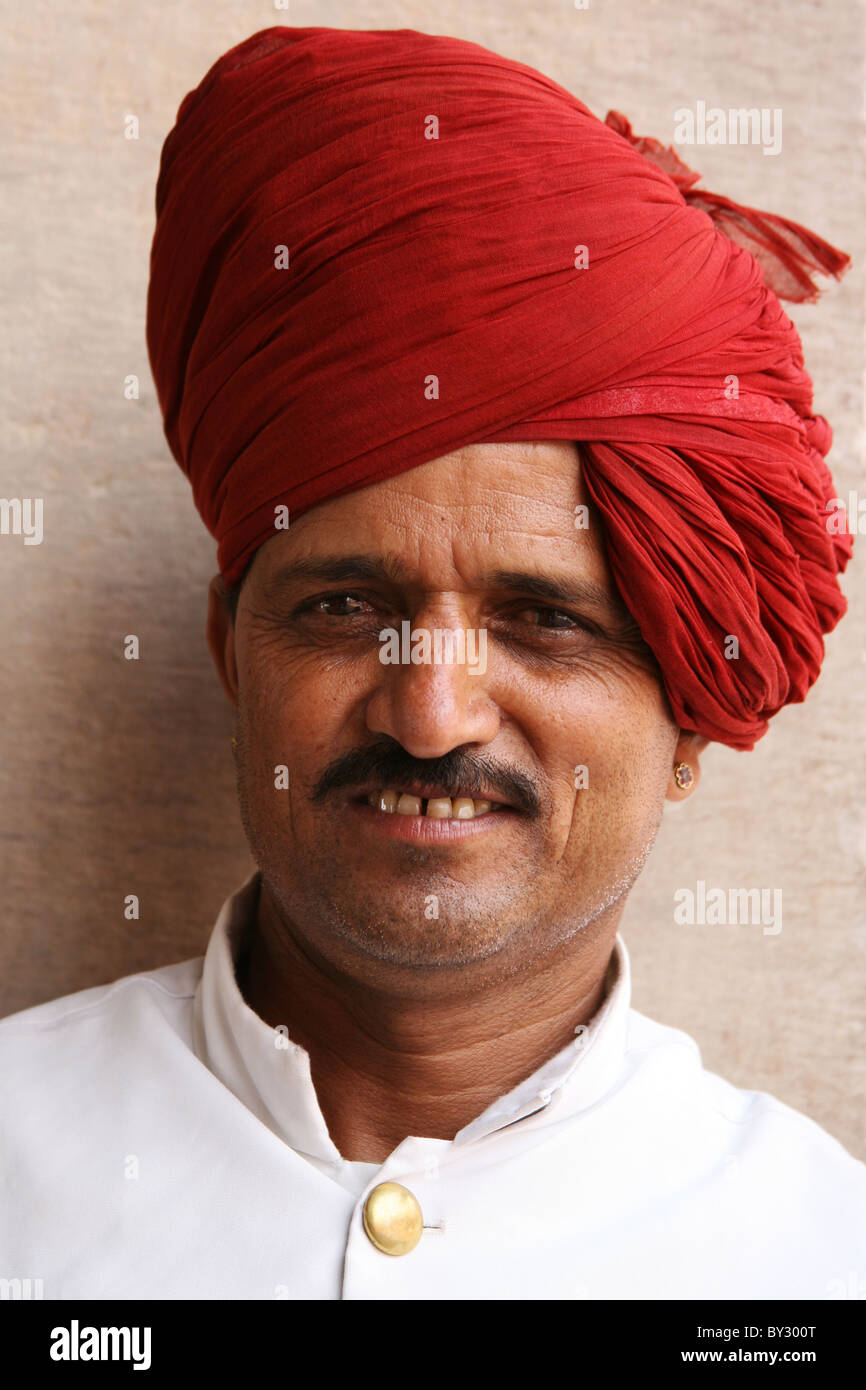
pixel 566 725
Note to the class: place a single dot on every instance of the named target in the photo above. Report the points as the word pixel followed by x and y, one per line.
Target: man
pixel 508 447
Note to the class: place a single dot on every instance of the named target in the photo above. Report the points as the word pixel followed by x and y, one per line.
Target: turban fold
pixel 373 248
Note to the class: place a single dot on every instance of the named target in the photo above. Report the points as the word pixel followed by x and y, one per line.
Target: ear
pixel 220 633
pixel 688 750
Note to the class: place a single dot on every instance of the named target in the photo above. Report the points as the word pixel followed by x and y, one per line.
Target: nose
pixel 433 706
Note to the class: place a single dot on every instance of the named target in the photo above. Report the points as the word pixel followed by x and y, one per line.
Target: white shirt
pixel 157 1143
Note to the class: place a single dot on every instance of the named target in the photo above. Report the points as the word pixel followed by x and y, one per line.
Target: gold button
pixel 392 1219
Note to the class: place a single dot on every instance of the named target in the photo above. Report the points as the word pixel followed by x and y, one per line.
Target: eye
pixel 554 619
pixel 338 605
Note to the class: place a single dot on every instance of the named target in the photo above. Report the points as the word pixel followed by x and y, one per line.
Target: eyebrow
pixel 557 590
pixel 340 569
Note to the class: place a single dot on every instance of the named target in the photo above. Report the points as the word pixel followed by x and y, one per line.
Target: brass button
pixel 392 1219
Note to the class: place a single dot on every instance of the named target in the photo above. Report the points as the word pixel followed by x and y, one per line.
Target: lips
pixel 390 801
pixel 385 796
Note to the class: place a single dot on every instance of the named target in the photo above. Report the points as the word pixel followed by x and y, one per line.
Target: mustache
pixel 388 764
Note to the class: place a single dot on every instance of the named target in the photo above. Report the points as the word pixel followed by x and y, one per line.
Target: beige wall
pixel 116 775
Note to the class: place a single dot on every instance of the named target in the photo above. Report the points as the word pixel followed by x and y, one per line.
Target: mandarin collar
pixel 270 1074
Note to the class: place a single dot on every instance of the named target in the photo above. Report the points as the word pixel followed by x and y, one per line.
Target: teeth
pixel 436 807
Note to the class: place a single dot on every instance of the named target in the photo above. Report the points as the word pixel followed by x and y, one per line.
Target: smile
pixel 431 820
pixel 393 803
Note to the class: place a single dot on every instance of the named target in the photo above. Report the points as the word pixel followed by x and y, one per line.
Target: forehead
pixel 486 506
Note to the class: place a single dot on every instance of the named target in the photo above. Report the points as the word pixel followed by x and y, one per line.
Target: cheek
pixel 597 717
pixel 296 711
pixel 605 746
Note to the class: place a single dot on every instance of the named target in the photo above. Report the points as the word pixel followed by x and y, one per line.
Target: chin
pixel 408 937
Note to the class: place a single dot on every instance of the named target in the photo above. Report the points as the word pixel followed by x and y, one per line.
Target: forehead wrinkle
pixel 480 522
pixel 508 476
pixel 425 525
pixel 492 550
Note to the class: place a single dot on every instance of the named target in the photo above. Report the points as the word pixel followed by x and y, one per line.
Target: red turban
pixel 373 248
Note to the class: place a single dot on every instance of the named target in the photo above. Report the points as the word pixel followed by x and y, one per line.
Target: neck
pixel 387 1063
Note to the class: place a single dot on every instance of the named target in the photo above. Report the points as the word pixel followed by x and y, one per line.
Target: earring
pixel 234 742
pixel 683 775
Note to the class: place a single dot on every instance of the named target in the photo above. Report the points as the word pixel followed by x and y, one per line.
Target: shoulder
pixel 75 1028
pixel 761 1138
pixel 80 1069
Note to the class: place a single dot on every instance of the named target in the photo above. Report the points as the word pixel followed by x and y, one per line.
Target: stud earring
pixel 683 775
pixel 234 742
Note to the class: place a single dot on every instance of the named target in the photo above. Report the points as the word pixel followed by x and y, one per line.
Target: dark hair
pixel 232 595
